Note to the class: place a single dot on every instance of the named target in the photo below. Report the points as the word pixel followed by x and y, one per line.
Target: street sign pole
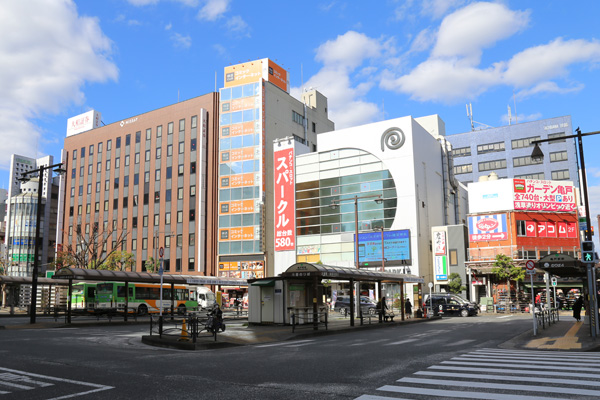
pixel 161 253
pixel 530 267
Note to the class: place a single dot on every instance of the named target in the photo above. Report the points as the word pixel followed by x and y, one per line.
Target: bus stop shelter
pixel 80 274
pixel 307 277
pixel 11 283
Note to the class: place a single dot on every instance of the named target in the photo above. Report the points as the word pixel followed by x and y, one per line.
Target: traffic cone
pixel 184 333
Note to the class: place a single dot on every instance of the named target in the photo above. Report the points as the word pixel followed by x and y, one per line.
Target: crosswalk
pixel 499 374
pixel 23 384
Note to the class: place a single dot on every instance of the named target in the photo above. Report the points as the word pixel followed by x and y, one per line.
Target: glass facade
pixel 241 170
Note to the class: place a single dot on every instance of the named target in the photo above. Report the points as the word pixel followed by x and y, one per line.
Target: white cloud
pixel 438 8
pixel 348 51
pixel 423 41
pixel 140 3
pixel 341 60
pixel 47 53
pixel 168 26
pixel 181 41
pixel 469 30
pixel 453 73
pixel 549 61
pixel 548 87
pixel 213 9
pixel 236 24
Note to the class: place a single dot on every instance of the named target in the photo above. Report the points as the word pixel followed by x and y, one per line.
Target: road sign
pixel 161 252
pixel 530 265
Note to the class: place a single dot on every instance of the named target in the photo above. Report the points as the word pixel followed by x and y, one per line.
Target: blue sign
pixel 396 248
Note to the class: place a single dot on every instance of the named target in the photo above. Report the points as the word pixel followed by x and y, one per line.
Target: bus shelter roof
pixel 305 270
pixel 82 274
pixel 26 280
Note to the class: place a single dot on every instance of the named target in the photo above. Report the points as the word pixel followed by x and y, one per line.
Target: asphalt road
pixel 110 362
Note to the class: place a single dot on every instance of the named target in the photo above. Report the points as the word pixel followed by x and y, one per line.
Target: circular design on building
pixel 122 123
pixel 392 138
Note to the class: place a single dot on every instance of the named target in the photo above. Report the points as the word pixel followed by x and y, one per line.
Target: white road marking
pixel 461 394
pixel 284 343
pixel 401 342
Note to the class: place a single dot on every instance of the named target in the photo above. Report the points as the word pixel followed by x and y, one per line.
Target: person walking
pixel 577 308
pixel 408 308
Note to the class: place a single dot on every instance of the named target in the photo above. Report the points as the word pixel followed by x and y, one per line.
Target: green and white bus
pixel 144 298
pixel 83 296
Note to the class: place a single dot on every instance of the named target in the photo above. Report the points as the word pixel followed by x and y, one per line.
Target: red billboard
pixel 285 196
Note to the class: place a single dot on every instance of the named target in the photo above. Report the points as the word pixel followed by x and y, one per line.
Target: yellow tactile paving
pixel 569 341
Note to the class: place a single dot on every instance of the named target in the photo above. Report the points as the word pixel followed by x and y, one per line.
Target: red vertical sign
pixel 530 228
pixel 285 197
pixel 562 230
pixel 572 228
pixel 541 229
pixel 551 228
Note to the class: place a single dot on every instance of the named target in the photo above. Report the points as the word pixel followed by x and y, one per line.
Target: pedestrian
pixel 577 308
pixel 408 308
pixel 382 307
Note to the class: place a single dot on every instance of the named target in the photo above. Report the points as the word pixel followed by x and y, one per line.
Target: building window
pixel 90 169
pixel 168 218
pixel 461 152
pixel 314 127
pixel 127 140
pixel 99 147
pixel 91 150
pixel 159 131
pixel 149 134
pixel 98 187
pixel 75 154
pixel 193 167
pixel 492 165
pixel 169 150
pixel 156 219
pixel 179 217
pixel 133 244
pixel 107 184
pixel 118 162
pixel 158 152
pixel 463 169
pixel 144 243
pixel 168 195
pixel 83 152
pixel 147 155
pixel 191 264
pixel 181 147
pixel 558 156
pixel 170 128
pixel 192 190
pixel 525 142
pixel 490 148
pixel 192 215
pixel 105 205
pixel 108 145
pixel 134 222
pixel 521 231
pixel 193 145
pixel 179 193
pixel 138 136
pixel 560 175
pixel 192 239
pixel 107 165
pixel 157 196
pixel 99 166
pixel 556 135
pixel 126 181
pixel 297 118
pixel 181 125
pixel 127 160
pixel 118 143
pixel 525 160
pixel 180 168
pixel 116 185
pixel 169 172
pixel 147 176
pixel 89 188
pixel 137 158
pixel 157 175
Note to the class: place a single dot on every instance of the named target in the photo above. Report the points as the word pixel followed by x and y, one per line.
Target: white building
pixel 403 160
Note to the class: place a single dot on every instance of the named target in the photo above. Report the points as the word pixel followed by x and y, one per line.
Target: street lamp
pixel 538 155
pixel 38 220
pixel 335 204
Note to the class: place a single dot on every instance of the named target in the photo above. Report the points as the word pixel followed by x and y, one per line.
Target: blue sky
pixel 373 60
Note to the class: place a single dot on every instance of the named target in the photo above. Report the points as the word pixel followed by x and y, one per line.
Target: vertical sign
pixel 439 239
pixel 285 195
pixel 530 228
pixel 441 268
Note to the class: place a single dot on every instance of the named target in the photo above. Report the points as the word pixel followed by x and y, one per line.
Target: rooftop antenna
pixel 470 115
pixel 515 101
pixel 509 115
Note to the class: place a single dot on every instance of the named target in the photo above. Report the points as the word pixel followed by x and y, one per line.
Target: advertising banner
pixel 542 195
pixel 441 268
pixel 439 243
pixel 285 196
pixel 488 227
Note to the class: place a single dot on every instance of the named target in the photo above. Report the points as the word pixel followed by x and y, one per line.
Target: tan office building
pixel 151 176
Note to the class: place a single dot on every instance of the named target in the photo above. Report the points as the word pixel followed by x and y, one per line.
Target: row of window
pixel 501 164
pixel 499 146
pixel 138 135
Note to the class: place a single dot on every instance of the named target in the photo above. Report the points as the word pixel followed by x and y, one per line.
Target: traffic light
pixel 587 251
pixel 586 232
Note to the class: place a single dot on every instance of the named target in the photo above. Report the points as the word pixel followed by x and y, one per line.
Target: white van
pixel 206 298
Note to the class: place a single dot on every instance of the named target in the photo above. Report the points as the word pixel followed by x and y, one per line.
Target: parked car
pixel 342 304
pixel 450 304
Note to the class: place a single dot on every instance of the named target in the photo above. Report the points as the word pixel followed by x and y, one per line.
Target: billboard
pixel 83 122
pixel 285 195
pixel 396 248
pixel 542 195
pixel 488 227
pixel 253 71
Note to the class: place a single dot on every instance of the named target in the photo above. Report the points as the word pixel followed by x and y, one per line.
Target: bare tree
pixel 92 250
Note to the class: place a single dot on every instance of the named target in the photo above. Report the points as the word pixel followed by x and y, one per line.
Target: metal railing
pixel 308 319
pixel 186 328
pixel 546 317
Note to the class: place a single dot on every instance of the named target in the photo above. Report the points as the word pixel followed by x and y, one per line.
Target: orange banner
pixel 244 233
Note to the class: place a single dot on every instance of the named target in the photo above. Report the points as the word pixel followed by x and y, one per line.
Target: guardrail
pixel 547 317
pixel 308 319
pixel 187 328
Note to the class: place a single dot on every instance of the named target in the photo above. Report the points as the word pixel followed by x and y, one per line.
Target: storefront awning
pixel 306 270
pixel 264 282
